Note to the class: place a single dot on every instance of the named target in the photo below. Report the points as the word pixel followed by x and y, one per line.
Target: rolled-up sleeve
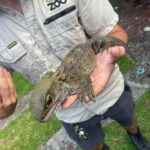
pixel 97 17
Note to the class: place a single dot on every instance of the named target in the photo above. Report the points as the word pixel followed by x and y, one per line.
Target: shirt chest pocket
pixel 12 53
pixel 63 24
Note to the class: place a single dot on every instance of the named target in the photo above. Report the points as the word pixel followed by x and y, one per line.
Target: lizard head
pixel 43 96
pixel 103 43
pixel 98 45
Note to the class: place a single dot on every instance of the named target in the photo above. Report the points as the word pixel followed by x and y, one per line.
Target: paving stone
pixel 139 79
pixel 60 141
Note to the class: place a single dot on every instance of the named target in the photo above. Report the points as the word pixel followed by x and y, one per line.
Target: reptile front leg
pixel 85 88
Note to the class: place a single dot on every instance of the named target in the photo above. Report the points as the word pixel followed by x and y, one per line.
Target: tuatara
pixel 72 77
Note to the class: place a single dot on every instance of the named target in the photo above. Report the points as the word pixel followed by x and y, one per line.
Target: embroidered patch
pixel 56 6
pixel 12 44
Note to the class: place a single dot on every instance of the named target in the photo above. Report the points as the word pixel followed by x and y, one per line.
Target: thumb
pixel 117 51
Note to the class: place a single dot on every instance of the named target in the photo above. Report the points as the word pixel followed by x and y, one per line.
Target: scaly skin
pixel 72 77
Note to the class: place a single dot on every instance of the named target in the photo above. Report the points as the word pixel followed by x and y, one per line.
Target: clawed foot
pixel 86 97
pixel 84 94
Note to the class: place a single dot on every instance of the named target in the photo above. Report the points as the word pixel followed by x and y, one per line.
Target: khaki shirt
pixel 38 41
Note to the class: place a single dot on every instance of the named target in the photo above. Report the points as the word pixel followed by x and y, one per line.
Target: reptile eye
pixel 97 45
pixel 49 100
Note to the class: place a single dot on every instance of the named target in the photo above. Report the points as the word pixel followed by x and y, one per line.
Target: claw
pixel 74 91
pixel 92 98
pixel 80 97
pixel 86 97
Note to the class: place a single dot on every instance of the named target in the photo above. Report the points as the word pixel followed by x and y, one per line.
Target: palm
pixel 101 74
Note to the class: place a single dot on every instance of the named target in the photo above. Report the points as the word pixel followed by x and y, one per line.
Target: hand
pixel 100 76
pixel 7 94
pixel 104 67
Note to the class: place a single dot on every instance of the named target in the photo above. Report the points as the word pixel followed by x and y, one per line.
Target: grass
pixel 25 133
pixel 125 64
pixel 22 85
pixel 114 2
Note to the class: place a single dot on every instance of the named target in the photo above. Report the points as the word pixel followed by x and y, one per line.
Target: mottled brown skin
pixel 72 77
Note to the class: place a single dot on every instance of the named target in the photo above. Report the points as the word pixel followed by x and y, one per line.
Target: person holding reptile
pixel 35 35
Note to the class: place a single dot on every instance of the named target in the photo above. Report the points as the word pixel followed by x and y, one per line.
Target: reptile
pixel 71 77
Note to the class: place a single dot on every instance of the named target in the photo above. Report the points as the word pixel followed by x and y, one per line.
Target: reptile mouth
pixel 54 107
pixel 50 112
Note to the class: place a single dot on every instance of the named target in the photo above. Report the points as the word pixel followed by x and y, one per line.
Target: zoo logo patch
pixel 56 6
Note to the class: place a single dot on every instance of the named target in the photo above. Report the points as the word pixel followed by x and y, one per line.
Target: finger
pixel 117 51
pixel 7 88
pixel 101 76
pixel 99 88
pixel 3 84
pixel 71 99
pixel 12 91
pixel 7 111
